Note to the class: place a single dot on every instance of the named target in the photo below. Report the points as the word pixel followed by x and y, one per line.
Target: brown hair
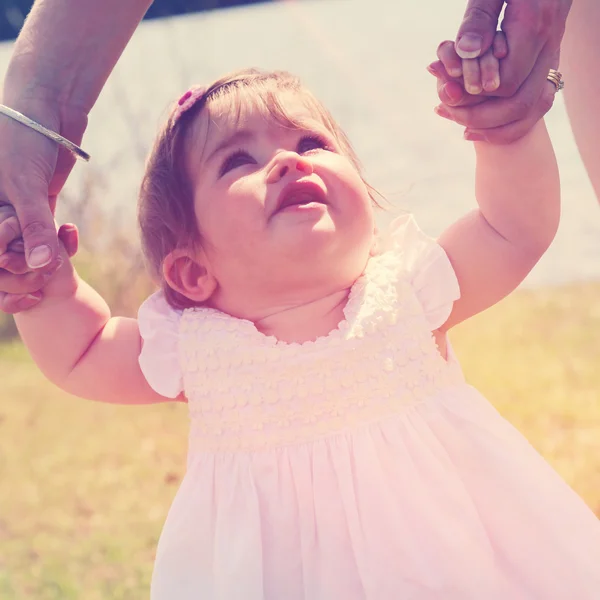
pixel 166 212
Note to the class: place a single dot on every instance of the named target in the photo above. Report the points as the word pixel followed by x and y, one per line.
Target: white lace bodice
pixel 247 391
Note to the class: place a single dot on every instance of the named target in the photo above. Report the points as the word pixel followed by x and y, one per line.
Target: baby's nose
pixel 285 165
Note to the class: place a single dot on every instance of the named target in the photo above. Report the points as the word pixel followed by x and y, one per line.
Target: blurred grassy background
pixel 85 487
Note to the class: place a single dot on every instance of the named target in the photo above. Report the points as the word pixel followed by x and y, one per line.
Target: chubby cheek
pixel 356 206
pixel 231 224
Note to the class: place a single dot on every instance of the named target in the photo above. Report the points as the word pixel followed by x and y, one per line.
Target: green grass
pixel 85 487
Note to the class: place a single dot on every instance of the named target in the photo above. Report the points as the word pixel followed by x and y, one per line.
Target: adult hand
pixel 483 116
pixel 21 288
pixel 534 30
pixel 34 169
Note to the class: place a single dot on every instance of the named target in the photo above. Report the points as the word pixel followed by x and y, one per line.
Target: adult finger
pixel 472 76
pixel 528 27
pixel 500 45
pixel 450 59
pixel 12 303
pixel 29 196
pixel 490 72
pixel 22 284
pixel 476 32
pixel 450 91
pixel 14 262
pixel 28 163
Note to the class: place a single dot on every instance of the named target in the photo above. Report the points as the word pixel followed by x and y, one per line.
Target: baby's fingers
pixel 489 66
pixel 489 63
pixel 448 57
pixel 68 234
pixel 9 232
pixel 14 262
pixel 500 45
pixel 472 76
pixel 15 303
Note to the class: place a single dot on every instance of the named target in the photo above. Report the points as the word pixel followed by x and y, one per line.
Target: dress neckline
pixel 349 311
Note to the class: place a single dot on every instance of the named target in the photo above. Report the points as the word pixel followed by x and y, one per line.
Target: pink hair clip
pixel 188 100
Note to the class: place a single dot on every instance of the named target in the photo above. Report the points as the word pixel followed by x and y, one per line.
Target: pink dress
pixel 360 466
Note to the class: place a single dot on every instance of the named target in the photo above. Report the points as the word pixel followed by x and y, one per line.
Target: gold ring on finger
pixel 555 77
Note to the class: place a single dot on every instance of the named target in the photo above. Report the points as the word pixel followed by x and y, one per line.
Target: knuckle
pixel 445 52
pixel 37 228
pixel 12 226
pixel 481 15
pixel 443 46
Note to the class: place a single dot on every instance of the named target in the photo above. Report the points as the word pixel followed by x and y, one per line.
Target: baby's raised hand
pixel 477 75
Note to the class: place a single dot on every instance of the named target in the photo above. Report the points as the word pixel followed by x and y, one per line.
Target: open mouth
pixel 300 194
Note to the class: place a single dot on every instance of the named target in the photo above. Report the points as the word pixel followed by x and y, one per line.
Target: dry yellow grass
pixel 85 487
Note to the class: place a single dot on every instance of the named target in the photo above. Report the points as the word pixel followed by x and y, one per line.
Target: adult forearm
pixel 67 49
pixel 518 190
pixel 580 63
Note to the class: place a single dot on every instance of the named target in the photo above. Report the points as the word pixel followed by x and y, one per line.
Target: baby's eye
pixel 312 142
pixel 235 160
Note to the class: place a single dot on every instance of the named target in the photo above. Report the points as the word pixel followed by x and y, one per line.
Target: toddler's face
pixel 277 207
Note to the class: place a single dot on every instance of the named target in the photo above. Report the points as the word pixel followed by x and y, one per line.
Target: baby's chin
pixel 323 261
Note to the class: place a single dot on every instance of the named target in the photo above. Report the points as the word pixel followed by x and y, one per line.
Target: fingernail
pixel 471 136
pixel 39 257
pixel 433 70
pixel 453 92
pixel 33 297
pixel 474 90
pixel 492 85
pixel 469 45
pixel 442 112
pixel 455 72
pixel 4 258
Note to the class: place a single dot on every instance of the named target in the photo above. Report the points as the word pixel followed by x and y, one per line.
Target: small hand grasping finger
pixel 478 74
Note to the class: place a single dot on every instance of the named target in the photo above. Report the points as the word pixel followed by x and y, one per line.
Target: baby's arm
pixel 82 349
pixel 493 248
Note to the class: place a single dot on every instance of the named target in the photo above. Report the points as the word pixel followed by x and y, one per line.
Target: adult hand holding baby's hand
pixel 21 287
pixel 533 30
pixel 480 113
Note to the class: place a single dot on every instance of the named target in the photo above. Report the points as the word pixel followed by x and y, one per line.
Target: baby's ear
pixel 189 274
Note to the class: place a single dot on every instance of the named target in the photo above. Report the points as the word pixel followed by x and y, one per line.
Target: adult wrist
pixel 46 108
pixel 32 91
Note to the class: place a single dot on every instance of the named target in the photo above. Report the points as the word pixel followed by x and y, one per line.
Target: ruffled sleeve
pixel 428 268
pixel 159 358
